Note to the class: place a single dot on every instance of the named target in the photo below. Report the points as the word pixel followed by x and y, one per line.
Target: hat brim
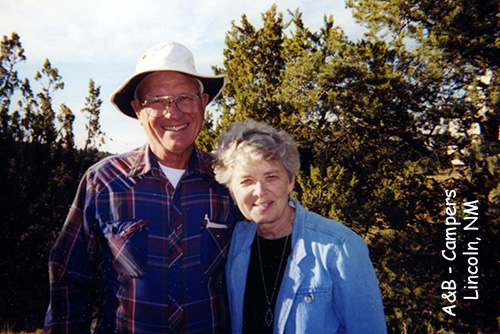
pixel 124 95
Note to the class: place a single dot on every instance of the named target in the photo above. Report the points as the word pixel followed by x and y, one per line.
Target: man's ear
pixel 137 108
pixel 204 100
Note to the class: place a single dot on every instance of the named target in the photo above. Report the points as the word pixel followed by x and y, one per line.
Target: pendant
pixel 269 317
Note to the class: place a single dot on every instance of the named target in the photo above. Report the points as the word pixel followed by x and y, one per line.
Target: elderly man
pixel 151 226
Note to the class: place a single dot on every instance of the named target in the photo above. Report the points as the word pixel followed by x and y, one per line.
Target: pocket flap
pixel 128 242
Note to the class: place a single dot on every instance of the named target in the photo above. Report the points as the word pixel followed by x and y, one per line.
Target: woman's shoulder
pixel 243 231
pixel 316 226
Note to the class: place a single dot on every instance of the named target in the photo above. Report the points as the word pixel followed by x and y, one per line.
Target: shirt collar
pixel 199 164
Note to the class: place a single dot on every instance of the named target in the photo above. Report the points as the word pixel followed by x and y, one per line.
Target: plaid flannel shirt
pixel 156 253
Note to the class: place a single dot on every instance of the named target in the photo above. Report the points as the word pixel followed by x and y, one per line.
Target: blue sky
pixel 103 39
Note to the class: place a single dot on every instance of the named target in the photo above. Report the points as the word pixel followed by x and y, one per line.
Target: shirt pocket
pixel 314 295
pixel 312 311
pixel 128 242
pixel 215 238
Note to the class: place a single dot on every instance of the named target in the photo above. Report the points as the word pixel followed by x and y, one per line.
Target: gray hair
pixel 254 141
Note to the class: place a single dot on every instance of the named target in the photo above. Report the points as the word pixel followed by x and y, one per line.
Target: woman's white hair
pixel 254 141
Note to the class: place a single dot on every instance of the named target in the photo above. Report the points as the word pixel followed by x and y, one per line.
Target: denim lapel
pixel 293 276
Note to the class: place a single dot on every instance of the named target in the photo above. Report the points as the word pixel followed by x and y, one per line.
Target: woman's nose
pixel 260 189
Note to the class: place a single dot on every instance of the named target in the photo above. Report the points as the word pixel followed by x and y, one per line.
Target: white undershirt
pixel 172 174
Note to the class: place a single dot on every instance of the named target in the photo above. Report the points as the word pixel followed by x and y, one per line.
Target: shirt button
pixel 308 298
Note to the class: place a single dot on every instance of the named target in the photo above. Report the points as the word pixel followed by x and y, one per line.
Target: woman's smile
pixel 261 191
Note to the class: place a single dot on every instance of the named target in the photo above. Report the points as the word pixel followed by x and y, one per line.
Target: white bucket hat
pixel 169 56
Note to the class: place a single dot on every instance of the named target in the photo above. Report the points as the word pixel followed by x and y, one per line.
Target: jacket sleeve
pixel 70 268
pixel 357 298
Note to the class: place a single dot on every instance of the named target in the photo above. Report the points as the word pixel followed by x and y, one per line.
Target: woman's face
pixel 261 191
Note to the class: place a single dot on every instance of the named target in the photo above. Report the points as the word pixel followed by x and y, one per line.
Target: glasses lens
pixel 187 103
pixel 157 106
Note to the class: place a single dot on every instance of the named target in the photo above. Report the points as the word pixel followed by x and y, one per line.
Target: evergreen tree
pixel 27 108
pixel 372 120
pixel 44 127
pixel 95 137
pixel 12 53
pixel 66 118
pixel 253 62
pixel 456 57
pixel 206 138
pixel 39 173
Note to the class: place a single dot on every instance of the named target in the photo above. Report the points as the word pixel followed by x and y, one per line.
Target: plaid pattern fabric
pixel 159 252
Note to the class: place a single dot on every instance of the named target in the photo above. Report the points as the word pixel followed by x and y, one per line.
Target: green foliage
pixel 95 137
pixel 12 53
pixel 205 139
pixel 375 121
pixel 253 62
pixel 39 172
pixel 66 119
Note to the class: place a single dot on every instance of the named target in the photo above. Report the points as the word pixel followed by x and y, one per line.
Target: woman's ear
pixel 291 184
pixel 232 195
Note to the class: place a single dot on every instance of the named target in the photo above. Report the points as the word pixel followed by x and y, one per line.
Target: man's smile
pixel 175 128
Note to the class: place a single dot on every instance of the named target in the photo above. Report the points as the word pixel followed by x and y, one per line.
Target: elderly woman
pixel 289 270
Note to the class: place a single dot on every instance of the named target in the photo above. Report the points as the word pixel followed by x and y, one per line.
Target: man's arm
pixel 70 270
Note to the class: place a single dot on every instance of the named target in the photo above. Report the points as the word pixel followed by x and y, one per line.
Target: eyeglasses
pixel 158 105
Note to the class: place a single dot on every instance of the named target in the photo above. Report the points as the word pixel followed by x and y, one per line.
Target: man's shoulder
pixel 117 159
pixel 203 160
pixel 201 164
pixel 203 154
pixel 114 166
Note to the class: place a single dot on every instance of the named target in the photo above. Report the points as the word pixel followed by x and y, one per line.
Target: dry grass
pixel 9 331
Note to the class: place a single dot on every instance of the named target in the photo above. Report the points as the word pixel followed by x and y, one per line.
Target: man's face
pixel 172 134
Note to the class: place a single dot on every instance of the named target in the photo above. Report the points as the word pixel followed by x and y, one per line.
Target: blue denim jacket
pixel 329 285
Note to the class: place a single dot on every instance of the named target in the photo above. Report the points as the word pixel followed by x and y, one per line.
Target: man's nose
pixel 172 110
